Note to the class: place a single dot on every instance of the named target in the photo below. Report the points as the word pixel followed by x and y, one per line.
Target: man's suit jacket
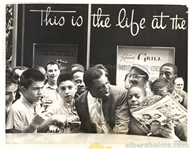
pixel 115 110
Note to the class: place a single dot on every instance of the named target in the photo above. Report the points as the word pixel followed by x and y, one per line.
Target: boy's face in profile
pixel 135 97
pixel 67 90
pixel 34 92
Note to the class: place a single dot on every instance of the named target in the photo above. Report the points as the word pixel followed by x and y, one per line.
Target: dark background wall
pixel 51 34
pixel 104 41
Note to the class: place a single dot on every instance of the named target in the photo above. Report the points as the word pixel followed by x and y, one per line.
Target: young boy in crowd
pixel 63 108
pixel 11 89
pixel 78 79
pixel 160 89
pixel 136 95
pixel 25 114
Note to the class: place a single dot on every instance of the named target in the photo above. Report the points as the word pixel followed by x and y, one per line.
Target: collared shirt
pixel 50 92
pixel 90 100
pixel 21 114
pixel 63 108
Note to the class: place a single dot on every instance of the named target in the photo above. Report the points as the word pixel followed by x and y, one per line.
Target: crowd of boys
pixel 85 101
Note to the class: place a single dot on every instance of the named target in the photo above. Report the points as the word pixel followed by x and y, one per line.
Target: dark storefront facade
pixel 90 34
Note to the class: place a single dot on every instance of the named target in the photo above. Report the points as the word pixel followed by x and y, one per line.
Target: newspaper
pixel 161 112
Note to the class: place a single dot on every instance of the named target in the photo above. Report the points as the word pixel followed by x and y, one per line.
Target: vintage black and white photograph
pixel 95 75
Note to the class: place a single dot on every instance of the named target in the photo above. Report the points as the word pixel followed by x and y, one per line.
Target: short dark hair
pixel 51 63
pixel 90 75
pixel 171 65
pixel 29 76
pixel 64 77
pixel 160 83
pixel 77 70
pixel 79 67
pixel 100 66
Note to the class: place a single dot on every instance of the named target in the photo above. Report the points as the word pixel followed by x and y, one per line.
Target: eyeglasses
pixel 136 76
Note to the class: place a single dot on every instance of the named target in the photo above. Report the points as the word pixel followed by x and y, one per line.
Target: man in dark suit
pixel 114 115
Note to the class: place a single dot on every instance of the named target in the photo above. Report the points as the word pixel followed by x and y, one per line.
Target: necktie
pixel 98 118
pixel 96 115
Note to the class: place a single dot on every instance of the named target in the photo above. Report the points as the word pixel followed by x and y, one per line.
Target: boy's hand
pixel 57 124
pixel 39 118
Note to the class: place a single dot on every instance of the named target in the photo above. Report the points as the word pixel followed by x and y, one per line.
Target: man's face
pixel 34 92
pixel 179 83
pixel 167 72
pixel 52 72
pixel 78 78
pixel 135 97
pixel 67 90
pixel 10 93
pixel 100 87
pixel 135 78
